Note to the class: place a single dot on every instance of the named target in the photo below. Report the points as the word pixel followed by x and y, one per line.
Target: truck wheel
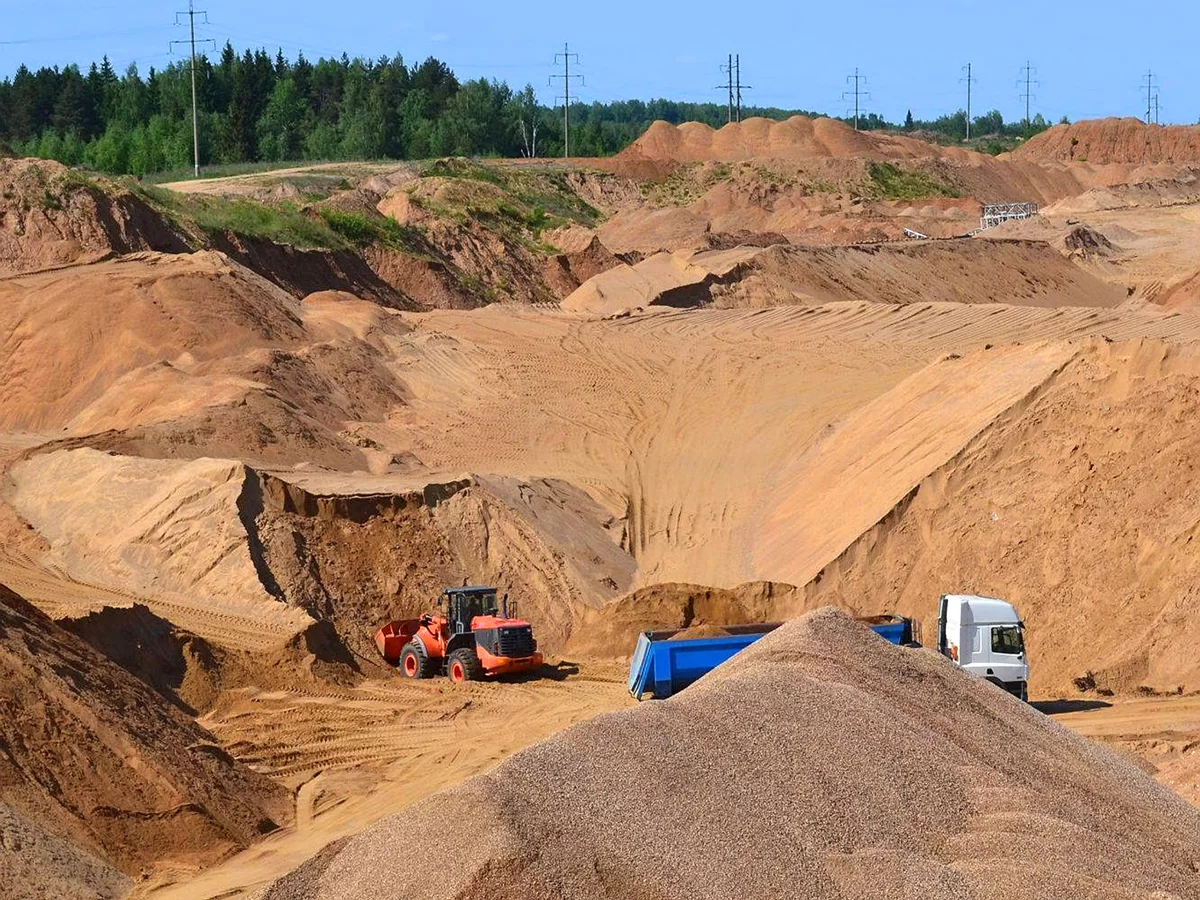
pixel 463 665
pixel 414 661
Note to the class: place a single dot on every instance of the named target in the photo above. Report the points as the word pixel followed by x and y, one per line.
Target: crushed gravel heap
pixel 821 762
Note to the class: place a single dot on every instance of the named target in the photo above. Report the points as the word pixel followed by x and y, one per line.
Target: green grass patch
pixel 891 182
pixel 456 167
pixel 283 223
pixel 364 231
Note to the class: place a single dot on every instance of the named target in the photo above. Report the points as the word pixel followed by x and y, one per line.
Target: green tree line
pixel 257 108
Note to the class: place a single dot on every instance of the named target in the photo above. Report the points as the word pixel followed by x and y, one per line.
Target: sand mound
pixel 97 758
pixel 696 610
pixel 1114 140
pixel 1082 242
pixel 176 531
pixel 567 271
pixel 1076 506
pixel 757 138
pixel 665 279
pixel 543 542
pixel 178 665
pixel 37 865
pixel 51 216
pixel 964 271
pixel 191 355
pixel 821 762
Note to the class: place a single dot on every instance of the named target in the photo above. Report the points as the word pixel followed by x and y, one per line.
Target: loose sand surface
pixel 768 404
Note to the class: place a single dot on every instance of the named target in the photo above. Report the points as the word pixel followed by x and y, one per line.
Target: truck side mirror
pixel 504 606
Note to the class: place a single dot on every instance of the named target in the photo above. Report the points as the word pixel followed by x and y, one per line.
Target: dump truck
pixel 983 635
pixel 470 638
pixel 986 637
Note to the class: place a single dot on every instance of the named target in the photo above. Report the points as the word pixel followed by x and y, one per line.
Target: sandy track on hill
pixel 61 596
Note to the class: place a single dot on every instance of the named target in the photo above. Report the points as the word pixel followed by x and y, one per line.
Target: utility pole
pixel 1151 95
pixel 970 80
pixel 191 13
pixel 737 68
pixel 1156 119
pixel 859 94
pixel 1027 95
pixel 728 87
pixel 566 76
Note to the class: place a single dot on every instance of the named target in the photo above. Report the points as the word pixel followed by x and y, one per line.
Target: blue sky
pixel 1090 57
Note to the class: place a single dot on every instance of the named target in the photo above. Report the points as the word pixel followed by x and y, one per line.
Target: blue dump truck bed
pixel 665 663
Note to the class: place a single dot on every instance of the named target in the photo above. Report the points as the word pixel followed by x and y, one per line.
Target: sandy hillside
pixel 50 216
pixel 108 770
pixel 859 730
pixel 964 271
pixel 1114 140
pixel 571 485
pixel 1077 506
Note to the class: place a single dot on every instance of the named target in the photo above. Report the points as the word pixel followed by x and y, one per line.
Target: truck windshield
pixel 1007 639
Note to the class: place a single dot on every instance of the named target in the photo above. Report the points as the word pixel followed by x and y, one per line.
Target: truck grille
pixel 516 641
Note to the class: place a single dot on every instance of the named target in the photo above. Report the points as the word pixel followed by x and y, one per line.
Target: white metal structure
pixel 985 636
pixel 997 213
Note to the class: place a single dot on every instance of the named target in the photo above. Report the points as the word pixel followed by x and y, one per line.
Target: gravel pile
pixel 821 762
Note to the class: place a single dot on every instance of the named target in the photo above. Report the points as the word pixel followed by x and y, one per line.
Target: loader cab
pixel 986 637
pixel 461 606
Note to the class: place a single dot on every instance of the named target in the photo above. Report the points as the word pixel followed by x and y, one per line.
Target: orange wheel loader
pixel 468 639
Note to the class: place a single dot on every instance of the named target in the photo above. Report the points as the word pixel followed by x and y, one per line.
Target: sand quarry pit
pixel 730 393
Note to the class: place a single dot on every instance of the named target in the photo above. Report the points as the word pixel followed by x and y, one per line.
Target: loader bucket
pixel 391 638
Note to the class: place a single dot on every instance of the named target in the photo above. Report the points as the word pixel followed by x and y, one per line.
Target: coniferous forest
pixel 257 108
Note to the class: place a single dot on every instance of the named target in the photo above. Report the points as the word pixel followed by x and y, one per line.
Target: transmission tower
pixel 728 85
pixel 566 77
pixel 1027 79
pixel 1151 88
pixel 738 86
pixel 970 81
pixel 859 95
pixel 191 13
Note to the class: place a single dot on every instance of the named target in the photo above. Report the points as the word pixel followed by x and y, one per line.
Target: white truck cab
pixel 985 636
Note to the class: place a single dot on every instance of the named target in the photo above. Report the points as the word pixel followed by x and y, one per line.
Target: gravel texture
pixel 821 762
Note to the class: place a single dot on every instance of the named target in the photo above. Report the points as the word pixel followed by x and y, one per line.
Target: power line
pixel 1027 95
pixel 970 80
pixel 859 94
pixel 566 76
pixel 191 13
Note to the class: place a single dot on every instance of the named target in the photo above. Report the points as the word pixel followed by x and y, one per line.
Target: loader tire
pixel 415 662
pixel 463 665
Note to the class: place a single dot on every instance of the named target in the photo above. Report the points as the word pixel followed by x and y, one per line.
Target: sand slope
pixel 1079 507
pixel 953 271
pixel 1114 140
pixel 876 772
pixel 97 758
